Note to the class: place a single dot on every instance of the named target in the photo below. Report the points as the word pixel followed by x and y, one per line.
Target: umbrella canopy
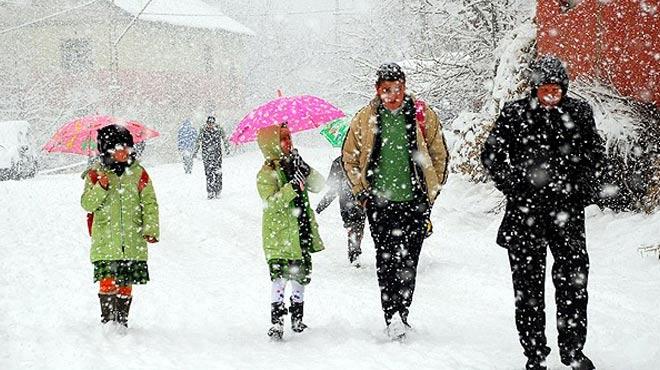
pixel 301 113
pixel 335 131
pixel 78 136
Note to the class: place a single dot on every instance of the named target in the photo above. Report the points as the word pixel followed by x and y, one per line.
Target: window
pixel 76 55
pixel 567 5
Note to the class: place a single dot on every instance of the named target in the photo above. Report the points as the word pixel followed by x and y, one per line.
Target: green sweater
pixel 393 177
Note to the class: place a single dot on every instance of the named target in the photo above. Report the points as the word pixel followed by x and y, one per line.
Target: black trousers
pixel 564 235
pixel 213 170
pixel 398 232
pixel 355 230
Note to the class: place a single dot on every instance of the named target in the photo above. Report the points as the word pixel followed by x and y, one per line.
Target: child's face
pixel 285 141
pixel 121 153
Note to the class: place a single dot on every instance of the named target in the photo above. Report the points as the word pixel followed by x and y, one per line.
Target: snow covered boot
pixel 108 302
pixel 354 260
pixel 395 329
pixel 123 306
pixel 277 313
pixel 296 311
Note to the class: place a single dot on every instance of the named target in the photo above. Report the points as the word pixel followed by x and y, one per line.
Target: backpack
pixel 94 178
pixel 420 116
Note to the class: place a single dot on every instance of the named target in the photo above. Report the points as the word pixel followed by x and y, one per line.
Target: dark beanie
pixel 549 69
pixel 390 72
pixel 110 136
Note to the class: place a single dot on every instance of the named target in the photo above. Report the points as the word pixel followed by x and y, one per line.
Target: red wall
pixel 615 41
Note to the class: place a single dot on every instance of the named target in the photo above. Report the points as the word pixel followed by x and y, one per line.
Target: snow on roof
pixel 190 13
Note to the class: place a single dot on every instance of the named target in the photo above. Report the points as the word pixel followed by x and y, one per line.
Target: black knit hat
pixel 390 72
pixel 110 136
pixel 549 70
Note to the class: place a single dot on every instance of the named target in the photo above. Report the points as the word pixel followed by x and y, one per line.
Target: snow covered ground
pixel 207 305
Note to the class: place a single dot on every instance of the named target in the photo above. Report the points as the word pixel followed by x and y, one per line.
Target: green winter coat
pixel 122 215
pixel 280 230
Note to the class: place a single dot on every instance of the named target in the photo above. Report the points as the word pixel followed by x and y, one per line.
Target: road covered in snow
pixel 207 305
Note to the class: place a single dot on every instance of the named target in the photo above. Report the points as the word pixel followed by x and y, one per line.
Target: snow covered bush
pixel 513 56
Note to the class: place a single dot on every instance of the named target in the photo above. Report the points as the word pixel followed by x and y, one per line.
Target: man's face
pixel 549 94
pixel 391 93
pixel 285 141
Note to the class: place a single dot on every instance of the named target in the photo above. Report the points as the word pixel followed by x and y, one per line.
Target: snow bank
pixel 514 54
pixel 207 306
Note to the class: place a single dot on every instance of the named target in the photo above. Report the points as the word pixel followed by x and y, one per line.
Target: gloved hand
pixel 287 166
pixel 299 164
pixel 150 239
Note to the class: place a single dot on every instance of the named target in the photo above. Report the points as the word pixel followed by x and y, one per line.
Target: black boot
pixel 296 310
pixel 579 362
pixel 123 306
pixel 277 313
pixel 108 303
pixel 536 364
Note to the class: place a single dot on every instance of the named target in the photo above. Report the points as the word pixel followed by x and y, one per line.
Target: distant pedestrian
pixel 186 140
pixel 213 142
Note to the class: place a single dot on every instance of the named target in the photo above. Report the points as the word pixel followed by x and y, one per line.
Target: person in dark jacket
pixel 212 140
pixel 351 211
pixel 545 155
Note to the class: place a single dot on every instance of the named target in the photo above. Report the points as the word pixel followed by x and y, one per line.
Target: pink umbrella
pixel 79 135
pixel 301 113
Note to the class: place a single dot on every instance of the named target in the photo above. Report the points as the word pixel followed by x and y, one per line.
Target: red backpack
pixel 94 178
pixel 420 116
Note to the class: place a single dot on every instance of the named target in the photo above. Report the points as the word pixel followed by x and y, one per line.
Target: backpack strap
pixel 144 180
pixel 420 116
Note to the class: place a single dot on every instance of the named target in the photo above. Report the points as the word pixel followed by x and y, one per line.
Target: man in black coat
pixel 212 140
pixel 545 155
pixel 352 213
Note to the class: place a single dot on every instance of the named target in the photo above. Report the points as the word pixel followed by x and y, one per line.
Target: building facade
pixel 617 42
pixel 177 60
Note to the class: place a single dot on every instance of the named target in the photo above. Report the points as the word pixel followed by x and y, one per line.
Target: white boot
pixel 396 329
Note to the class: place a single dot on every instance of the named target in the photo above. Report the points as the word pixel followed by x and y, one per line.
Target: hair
pixel 390 72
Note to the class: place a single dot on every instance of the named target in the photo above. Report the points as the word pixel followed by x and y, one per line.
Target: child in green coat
pixel 289 231
pixel 123 218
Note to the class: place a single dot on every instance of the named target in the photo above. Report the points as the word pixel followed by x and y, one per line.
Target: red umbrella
pixel 79 135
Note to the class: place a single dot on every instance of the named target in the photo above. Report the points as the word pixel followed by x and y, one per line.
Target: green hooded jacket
pixel 280 230
pixel 123 215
